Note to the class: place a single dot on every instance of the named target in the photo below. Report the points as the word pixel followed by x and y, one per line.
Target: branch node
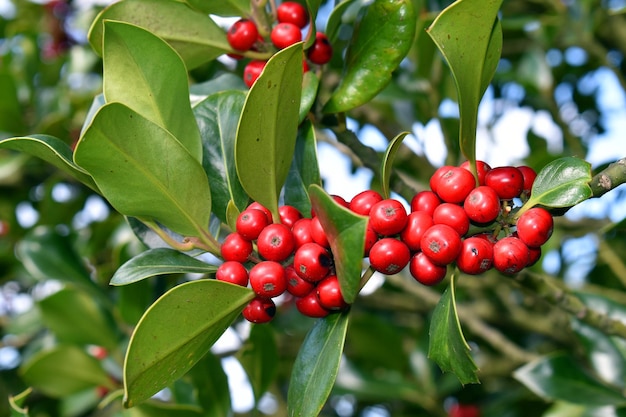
pixel 605 182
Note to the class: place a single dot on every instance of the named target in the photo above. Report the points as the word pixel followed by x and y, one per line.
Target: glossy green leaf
pixel 259 358
pixel 98 101
pixel 16 403
pixel 346 235
pixel 447 345
pixel 144 73
pixel 310 85
pixel 469 36
pixel 194 35
pixel 267 130
pixel 64 370
pixel 51 150
pixel 217 117
pixel 11 119
pixel 143 171
pixel 381 39
pixel 162 409
pixel 316 366
pixel 133 300
pixel 75 317
pixel 564 182
pixel 176 332
pixel 560 377
pixel 304 170
pixel 343 13
pixel 387 165
pixel 158 261
pixel 210 380
pixel 222 7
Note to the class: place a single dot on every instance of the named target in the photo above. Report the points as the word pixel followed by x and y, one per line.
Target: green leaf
pixel 161 409
pixel 381 39
pixel 75 317
pixel 51 150
pixel 222 7
pixel 175 332
pixel 210 380
pixel 560 377
pixel 346 234
pixel 144 73
pixel 158 261
pixel 64 370
pixel 259 358
pixel 217 117
pixel 316 366
pixel 564 182
pixel 447 345
pixel 16 402
pixel 304 170
pixel 194 35
pixel 310 85
pixel 268 126
pixel 11 118
pixel 143 171
pixel 469 36
pixel 387 165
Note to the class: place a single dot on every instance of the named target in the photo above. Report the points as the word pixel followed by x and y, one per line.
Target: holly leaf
pixel 259 358
pixel 447 345
pixel 304 169
pixel 387 164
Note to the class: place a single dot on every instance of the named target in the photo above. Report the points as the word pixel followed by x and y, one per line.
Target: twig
pixel 609 178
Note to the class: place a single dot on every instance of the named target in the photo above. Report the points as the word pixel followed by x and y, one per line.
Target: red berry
pixel 510 255
pixel 242 35
pixel 289 215
pixel 476 256
pixel 529 175
pixel 436 177
pixel 297 286
pixel 236 248
pixel 258 206
pixel 454 184
pixel 321 51
pixel 301 231
pixel 268 279
pixel 482 205
pixel 507 182
pixel 310 306
pixel 418 222
pixel 276 242
pixel 363 202
pixel 259 310
pixel 389 256
pixel 340 200
pixel 424 271
pixel 318 234
pixel 312 262
pixel 453 215
pixel 250 223
pixel 371 237
pixel 441 243
pixel 425 201
pixel 252 71
pixel 481 169
pixel 329 294
pixel 534 227
pixel 534 255
pixel 292 12
pixel 464 410
pixel 233 272
pixel 388 217
pixel 285 34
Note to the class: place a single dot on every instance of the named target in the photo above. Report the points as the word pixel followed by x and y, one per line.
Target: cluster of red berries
pixel 291 18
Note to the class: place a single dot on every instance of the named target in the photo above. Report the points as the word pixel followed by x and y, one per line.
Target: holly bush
pixel 156 122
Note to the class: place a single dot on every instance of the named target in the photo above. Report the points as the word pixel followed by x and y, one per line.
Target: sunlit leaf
pixel 387 165
pixel 162 409
pixel 222 7
pixel 310 85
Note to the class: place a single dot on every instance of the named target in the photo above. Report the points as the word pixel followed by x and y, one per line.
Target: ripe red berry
pixel 507 182
pixel 481 169
pixel 418 222
pixel 454 184
pixel 424 271
pixel 252 71
pixel 242 35
pixel 259 310
pixel 534 227
pixel 285 34
pixel 534 255
pixel 453 215
pixel 389 256
pixel 476 256
pixel 250 223
pixel 268 279
pixel 289 215
pixel 363 202
pixel 233 272
pixel 482 205
pixel 236 248
pixel 310 306
pixel 321 51
pixel 318 234
pixel 312 262
pixel 297 286
pixel 436 177
pixel 292 12
pixel 464 410
pixel 510 255
pixel 371 237
pixel 529 175
pixel 425 201
pixel 301 231
pixel 276 242
pixel 388 217
pixel 329 294
pixel 441 243
pixel 258 206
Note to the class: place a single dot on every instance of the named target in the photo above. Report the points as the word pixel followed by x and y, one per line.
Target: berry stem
pixel 369 272
pixel 261 18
